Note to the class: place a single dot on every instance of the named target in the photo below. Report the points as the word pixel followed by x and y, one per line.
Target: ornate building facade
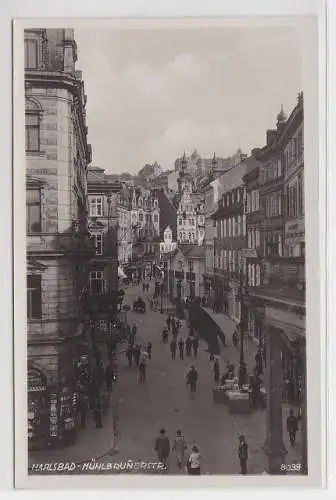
pixel 57 155
pixel 58 247
pixel 191 218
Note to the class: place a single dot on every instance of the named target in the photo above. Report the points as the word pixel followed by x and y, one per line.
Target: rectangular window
pixel 96 206
pixel 248 203
pixel 257 201
pixel 30 54
pixel 97 282
pixel 32 128
pixel 233 226
pixel 34 297
pixel 257 238
pixel 249 238
pixel 33 211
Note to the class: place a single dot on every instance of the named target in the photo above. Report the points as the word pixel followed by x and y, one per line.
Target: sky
pixel 153 94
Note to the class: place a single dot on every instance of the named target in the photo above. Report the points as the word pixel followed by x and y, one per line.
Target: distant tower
pixel 281 118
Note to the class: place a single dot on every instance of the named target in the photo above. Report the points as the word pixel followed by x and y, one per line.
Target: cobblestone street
pixel 164 401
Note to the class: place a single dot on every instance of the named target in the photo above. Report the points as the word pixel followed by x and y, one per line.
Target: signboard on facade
pixel 36 381
pixel 249 253
pixel 295 227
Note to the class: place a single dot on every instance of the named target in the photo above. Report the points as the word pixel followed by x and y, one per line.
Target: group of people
pixel 184 459
pixel 191 460
pixel 140 357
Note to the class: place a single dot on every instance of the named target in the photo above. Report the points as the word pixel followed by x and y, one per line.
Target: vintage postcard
pixel 166 320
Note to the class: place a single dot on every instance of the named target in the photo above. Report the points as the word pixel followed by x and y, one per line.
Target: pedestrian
pixel 195 346
pixel 134 331
pixel 173 347
pixel 216 371
pixel 129 354
pixel 97 353
pixel 142 371
pixel 243 454
pixel 168 322
pixel 180 447
pixel 109 376
pixel 194 462
pixel 292 427
pixel 258 360
pixel 97 412
pixel 136 354
pixel 173 323
pixel 188 346
pixel 165 335
pixel 181 348
pixel 178 324
pixel 192 377
pixel 242 375
pixel 175 331
pixel 235 339
pixel 149 349
pixel 162 447
pixel 83 407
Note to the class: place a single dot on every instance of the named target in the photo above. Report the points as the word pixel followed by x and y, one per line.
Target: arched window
pixel 232 197
pixel 233 226
pixel 33 112
pixel 230 226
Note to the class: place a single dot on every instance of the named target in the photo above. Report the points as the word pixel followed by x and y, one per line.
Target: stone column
pixel 274 446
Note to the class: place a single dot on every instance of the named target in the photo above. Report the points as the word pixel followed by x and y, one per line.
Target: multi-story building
pixel 168 245
pixel 253 253
pixel 103 198
pixel 185 270
pixel 57 158
pixel 230 242
pixel 294 184
pixel 283 278
pixel 190 218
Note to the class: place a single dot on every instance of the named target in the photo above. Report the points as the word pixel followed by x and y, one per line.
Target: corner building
pixel 57 157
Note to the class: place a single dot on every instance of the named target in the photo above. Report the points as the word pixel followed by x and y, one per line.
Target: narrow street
pixel 164 401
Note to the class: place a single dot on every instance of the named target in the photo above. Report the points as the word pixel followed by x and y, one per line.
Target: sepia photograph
pixel 164 269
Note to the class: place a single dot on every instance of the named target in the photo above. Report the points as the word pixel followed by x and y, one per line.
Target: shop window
pixel 34 297
pixel 96 206
pixel 33 211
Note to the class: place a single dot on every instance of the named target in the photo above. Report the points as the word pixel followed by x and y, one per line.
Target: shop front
pixel 38 413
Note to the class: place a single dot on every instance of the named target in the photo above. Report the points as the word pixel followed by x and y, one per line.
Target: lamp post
pixel 242 366
pixel 161 293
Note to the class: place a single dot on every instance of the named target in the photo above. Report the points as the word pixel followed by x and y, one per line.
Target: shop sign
pixel 36 381
pixel 249 253
pixel 295 227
